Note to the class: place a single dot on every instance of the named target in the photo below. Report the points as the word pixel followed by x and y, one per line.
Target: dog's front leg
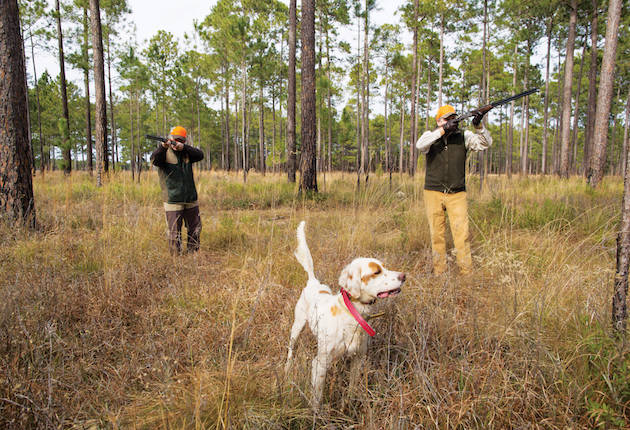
pixel 296 329
pixel 319 368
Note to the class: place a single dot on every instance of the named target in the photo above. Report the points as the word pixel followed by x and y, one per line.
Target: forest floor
pixel 101 328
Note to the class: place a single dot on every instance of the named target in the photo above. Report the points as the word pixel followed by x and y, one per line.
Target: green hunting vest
pixel 176 178
pixel 446 164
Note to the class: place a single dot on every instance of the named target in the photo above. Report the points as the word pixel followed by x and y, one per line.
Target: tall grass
pixel 101 328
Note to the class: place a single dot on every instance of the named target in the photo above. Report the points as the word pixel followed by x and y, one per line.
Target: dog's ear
pixel 350 279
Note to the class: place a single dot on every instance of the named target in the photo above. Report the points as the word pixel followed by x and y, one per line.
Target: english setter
pixel 337 320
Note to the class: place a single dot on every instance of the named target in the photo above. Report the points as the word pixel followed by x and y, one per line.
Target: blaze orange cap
pixel 444 111
pixel 178 131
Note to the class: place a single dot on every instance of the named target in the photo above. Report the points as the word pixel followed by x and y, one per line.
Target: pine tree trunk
pixel 261 131
pixel 604 95
pixel 243 120
pixel 111 106
pixel 525 113
pixel 592 90
pixel 16 186
pixel 482 154
pixel 65 146
pixel 236 121
pixel 329 100
pixel 132 142
pixel 308 162
pixel 86 83
pixel 441 66
pixel 566 97
pixel 414 90
pixel 100 105
pixel 291 147
pixel 273 131
pixel 365 162
pixel 227 123
pixel 510 142
pixel 42 160
pixel 388 166
pixel 619 307
pixel 576 111
pixel 401 162
pixel 625 135
pixel 546 108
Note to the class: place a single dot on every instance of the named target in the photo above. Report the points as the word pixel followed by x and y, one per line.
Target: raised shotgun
pixel 484 109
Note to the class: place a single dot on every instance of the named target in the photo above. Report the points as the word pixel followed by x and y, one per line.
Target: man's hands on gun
pixel 478 116
pixel 174 144
pixel 451 125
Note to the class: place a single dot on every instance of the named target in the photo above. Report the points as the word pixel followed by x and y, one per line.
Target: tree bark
pixel 111 106
pixel 100 105
pixel 482 154
pixel 568 87
pixel 546 108
pixel 510 142
pixel 401 157
pixel 576 111
pixel 308 162
pixel 619 307
pixel 65 149
pixel 525 113
pixel 329 100
pixel 592 89
pixel 441 67
pixel 261 131
pixel 291 147
pixel 414 89
pixel 16 186
pixel 243 119
pixel 365 159
pixel 604 95
pixel 86 83
pixel 42 160
pixel 625 135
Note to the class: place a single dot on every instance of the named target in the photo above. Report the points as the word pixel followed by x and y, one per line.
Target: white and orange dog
pixel 338 320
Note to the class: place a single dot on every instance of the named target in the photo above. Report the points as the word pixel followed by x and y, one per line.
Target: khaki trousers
pixel 436 203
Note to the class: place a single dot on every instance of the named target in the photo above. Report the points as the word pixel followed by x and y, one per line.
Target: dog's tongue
pixel 388 293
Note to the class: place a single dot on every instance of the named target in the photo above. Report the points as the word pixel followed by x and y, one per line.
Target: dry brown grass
pixel 101 328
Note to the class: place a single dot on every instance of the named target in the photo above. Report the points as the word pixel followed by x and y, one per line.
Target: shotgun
pixel 484 109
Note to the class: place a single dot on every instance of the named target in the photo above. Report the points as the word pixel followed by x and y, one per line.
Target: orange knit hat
pixel 178 131
pixel 444 111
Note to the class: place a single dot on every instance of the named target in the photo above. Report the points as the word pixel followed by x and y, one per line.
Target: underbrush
pixel 101 328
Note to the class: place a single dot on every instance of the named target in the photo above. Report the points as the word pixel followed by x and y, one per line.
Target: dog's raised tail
pixel 302 253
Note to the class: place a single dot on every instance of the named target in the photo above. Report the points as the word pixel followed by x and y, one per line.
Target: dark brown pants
pixel 192 220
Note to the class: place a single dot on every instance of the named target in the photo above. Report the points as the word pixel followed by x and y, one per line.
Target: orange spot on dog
pixel 324 292
pixel 376 270
pixel 334 310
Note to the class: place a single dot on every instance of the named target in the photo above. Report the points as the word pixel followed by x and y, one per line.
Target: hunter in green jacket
pixel 174 160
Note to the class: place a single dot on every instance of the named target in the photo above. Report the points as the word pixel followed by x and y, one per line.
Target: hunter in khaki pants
pixel 446 148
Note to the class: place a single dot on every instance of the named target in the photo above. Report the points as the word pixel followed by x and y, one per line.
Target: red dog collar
pixel 357 316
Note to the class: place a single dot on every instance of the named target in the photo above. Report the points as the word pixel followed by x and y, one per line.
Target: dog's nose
pixel 402 277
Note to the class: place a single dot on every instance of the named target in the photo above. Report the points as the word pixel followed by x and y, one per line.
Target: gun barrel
pixel 514 97
pixel 158 138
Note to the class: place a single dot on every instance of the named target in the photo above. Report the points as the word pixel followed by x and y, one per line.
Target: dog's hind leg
pixel 296 329
pixel 319 368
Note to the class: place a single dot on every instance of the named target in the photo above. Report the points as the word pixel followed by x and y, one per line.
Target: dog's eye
pixel 378 271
